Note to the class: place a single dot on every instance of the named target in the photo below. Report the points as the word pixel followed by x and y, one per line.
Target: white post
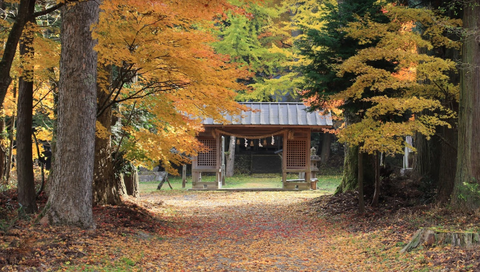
pixel 184 175
pixel 409 142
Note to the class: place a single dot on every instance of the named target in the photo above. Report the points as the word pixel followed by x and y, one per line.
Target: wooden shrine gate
pixel 289 120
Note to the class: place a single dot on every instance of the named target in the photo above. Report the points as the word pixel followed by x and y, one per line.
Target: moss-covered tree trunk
pixel 350 170
pixel 466 193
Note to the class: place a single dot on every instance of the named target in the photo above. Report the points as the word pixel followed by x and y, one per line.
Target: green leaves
pixel 255 40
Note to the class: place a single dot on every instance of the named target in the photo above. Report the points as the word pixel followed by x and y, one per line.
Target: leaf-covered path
pixel 236 231
pixel 241 231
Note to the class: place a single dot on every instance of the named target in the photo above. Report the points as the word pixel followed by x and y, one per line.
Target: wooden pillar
pixel 221 180
pixel 308 173
pixel 284 159
pixel 195 174
pixel 218 165
pixel 184 175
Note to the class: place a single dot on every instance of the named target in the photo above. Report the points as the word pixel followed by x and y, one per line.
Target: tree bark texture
pixel 231 157
pixel 25 178
pixel 431 237
pixel 70 201
pixel 122 189
pixel 448 165
pixel 326 144
pixel 10 129
pixel 350 164
pixel 435 161
pixel 10 46
pixel 426 160
pixel 105 186
pixel 361 199
pixel 467 180
pixel 378 180
pixel 3 151
pixel 132 183
pixel 350 170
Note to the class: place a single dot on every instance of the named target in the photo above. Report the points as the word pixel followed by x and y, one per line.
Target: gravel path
pixel 238 231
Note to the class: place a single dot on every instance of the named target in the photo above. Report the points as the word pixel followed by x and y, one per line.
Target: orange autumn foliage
pixel 170 71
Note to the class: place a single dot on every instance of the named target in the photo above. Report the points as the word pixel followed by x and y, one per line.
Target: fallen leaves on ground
pixel 235 231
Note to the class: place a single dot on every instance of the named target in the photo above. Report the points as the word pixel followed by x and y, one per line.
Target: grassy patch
pixel 151 186
pixel 327 184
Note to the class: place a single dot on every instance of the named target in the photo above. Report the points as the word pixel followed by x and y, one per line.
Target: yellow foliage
pixel 399 99
pixel 10 103
pixel 101 131
pixel 44 134
pixel 35 152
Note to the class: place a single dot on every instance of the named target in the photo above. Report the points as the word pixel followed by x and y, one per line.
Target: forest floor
pixel 237 231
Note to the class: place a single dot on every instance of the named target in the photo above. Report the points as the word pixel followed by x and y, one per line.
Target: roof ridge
pixel 296 103
pixel 275 114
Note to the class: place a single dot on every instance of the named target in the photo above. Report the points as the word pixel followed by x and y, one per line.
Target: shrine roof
pixel 276 114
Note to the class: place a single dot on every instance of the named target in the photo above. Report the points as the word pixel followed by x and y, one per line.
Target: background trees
pixel 256 39
pixel 30 71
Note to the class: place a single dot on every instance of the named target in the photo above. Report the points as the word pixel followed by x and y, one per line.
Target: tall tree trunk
pixel 350 165
pixel 350 170
pixel 3 150
pixel 448 166
pixel 326 144
pixel 231 157
pixel 426 163
pixel 378 181
pixel 70 201
pixel 26 183
pixel 131 182
pixel 105 186
pixel 11 129
pixel 466 193
pixel 361 200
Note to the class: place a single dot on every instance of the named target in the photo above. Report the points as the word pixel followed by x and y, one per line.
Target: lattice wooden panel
pixel 208 158
pixel 296 154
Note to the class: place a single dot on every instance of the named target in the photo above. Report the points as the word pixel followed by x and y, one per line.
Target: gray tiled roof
pixel 277 113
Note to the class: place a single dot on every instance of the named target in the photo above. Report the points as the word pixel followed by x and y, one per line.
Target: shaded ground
pixel 236 231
